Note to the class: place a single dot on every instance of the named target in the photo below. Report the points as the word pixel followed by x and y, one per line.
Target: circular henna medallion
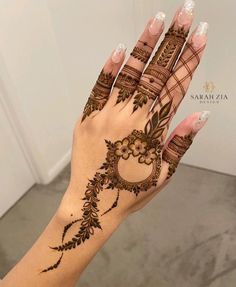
pixel 133 152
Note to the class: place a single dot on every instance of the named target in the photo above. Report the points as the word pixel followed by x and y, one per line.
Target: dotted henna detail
pixel 159 69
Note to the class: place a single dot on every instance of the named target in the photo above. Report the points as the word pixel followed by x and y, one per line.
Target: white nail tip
pixel 200 122
pixel 117 55
pixel 189 6
pixel 204 116
pixel 202 29
pixel 120 48
pixel 160 16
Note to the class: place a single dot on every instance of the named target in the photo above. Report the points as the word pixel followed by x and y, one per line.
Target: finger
pixel 180 141
pixel 102 89
pixel 130 75
pixel 177 85
pixel 158 71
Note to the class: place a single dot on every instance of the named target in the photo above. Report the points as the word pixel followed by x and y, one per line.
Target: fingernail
pixel 186 13
pixel 157 23
pixel 118 53
pixel 200 36
pixel 203 117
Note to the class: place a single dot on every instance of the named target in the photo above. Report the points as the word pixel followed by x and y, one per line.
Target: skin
pixel 114 122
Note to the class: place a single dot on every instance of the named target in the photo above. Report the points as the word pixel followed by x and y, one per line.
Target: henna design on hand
pixel 127 82
pixel 175 151
pixel 141 53
pixel 99 94
pixel 160 67
pixel 114 205
pixel 143 145
pixel 179 82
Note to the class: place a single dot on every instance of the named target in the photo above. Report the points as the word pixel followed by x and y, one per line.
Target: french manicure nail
pixel 186 13
pixel 157 23
pixel 118 53
pixel 200 36
pixel 203 117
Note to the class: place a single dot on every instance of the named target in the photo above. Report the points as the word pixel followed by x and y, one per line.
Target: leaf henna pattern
pixel 159 70
pixel 144 145
pixel 142 51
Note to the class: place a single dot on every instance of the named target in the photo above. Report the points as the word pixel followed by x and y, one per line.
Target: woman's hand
pixel 121 157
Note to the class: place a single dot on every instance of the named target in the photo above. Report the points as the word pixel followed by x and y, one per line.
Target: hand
pixel 121 158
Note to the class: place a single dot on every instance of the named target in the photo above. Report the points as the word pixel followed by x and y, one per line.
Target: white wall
pixel 40 99
pixel 16 176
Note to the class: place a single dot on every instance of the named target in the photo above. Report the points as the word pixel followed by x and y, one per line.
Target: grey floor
pixel 185 237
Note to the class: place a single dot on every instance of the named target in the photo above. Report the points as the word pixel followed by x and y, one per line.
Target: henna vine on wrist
pixel 175 151
pixel 99 94
pixel 160 67
pixel 145 147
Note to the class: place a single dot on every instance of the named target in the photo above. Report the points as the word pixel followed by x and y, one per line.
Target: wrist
pixel 72 205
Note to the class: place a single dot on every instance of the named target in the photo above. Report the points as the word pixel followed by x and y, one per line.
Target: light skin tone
pixel 115 122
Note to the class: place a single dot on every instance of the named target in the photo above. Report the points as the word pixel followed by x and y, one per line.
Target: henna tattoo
pixel 145 90
pixel 68 226
pixel 54 266
pixel 141 53
pixel 129 77
pixel 175 151
pixel 185 63
pixel 127 82
pixel 114 205
pixel 160 67
pixel 144 146
pixel 99 94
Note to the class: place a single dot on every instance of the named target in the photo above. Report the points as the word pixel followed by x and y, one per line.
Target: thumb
pixel 181 139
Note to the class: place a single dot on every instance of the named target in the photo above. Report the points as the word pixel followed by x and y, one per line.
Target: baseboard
pixel 57 168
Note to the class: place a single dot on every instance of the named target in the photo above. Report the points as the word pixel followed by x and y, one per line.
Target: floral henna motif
pixel 144 145
pixel 99 94
pixel 160 67
pixel 175 151
pixel 127 82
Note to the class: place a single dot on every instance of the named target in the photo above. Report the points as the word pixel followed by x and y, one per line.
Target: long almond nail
pixel 157 24
pixel 200 122
pixel 118 54
pixel 186 13
pixel 200 36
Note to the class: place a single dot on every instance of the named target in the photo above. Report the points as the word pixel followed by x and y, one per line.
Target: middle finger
pixel 158 71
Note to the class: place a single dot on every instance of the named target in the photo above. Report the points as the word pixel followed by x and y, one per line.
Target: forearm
pixel 40 256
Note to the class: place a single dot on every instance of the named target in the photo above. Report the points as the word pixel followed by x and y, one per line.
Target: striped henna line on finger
pixel 142 51
pixel 127 82
pixel 99 94
pixel 160 67
pixel 175 150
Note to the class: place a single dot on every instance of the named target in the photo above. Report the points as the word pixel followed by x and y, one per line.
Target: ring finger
pixel 130 74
